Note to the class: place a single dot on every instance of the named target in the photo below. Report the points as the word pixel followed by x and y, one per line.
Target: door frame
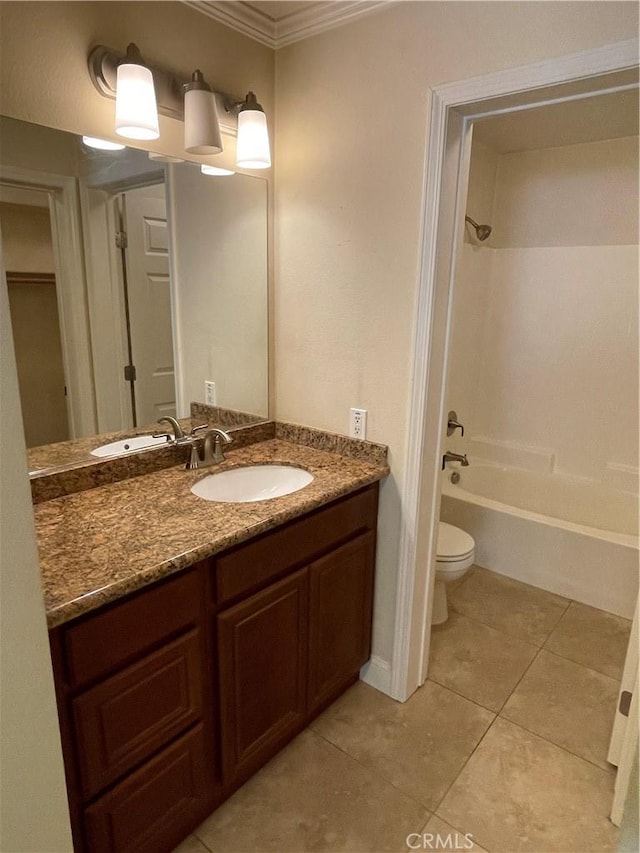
pixel 453 108
pixel 66 235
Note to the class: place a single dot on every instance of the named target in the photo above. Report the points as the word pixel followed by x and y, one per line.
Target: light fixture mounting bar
pixel 103 63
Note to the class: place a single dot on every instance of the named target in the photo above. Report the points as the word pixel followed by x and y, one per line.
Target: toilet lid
pixel 453 543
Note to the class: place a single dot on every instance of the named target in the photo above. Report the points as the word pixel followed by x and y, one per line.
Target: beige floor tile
pixel 568 704
pixel 477 661
pixel 519 792
pixel 511 606
pixel 313 797
pixel 440 835
pixel 191 845
pixel 591 637
pixel 419 746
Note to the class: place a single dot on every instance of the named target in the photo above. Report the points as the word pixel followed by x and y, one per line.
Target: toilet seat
pixel 454 545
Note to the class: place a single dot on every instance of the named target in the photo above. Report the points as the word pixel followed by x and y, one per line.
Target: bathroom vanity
pixel 178 678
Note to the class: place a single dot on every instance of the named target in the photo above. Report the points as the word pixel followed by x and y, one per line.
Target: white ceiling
pixel 280 23
pixel 586 120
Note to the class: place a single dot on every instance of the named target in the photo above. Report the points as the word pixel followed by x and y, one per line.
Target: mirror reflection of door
pixel 148 296
pixel 28 257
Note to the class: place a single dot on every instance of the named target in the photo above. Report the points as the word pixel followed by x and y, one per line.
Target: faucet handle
pixel 194 459
pixel 162 435
pixel 213 440
pixel 453 423
pixel 196 429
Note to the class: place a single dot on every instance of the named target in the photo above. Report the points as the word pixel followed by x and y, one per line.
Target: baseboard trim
pixel 377 673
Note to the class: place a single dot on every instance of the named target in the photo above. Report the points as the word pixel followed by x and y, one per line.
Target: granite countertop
pixel 100 544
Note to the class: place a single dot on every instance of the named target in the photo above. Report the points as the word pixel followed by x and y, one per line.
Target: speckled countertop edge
pixel 98 545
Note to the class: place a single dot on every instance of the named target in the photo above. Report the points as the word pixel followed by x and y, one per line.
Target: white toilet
pixel 455 552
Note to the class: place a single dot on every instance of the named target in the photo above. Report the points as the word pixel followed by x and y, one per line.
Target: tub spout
pixel 455 457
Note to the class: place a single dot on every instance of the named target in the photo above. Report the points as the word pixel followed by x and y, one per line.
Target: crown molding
pixel 298 25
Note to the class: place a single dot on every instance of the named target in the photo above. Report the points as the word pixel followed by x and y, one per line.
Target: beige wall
pixel 352 119
pixel 26 238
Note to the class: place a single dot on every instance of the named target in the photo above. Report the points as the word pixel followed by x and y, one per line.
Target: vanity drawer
pixel 253 565
pixel 157 806
pixel 128 717
pixel 102 643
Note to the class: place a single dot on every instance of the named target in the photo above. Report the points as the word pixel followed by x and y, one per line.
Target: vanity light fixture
pixel 201 128
pixel 136 108
pixel 102 144
pixel 215 171
pixel 204 110
pixel 253 138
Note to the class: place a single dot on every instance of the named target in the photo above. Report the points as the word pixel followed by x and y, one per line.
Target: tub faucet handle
pixel 453 423
pixel 455 457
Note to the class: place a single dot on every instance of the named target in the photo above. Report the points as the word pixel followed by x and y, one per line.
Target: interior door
pixel 624 736
pixel 149 301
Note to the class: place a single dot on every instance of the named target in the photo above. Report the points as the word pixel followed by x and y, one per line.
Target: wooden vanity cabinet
pixel 172 697
pixel 290 648
pixel 137 716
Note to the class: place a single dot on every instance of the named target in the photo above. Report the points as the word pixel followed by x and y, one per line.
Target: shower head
pixel 482 231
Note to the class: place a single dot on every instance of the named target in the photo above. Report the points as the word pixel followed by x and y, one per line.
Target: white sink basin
pixel 128 445
pixel 252 483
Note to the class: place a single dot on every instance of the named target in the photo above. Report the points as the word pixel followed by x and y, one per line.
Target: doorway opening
pixel 34 299
pixel 454 109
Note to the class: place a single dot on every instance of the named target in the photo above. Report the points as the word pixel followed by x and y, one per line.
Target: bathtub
pixel 572 537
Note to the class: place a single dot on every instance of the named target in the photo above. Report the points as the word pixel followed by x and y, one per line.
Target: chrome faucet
pixel 212 453
pixel 178 433
pixel 455 457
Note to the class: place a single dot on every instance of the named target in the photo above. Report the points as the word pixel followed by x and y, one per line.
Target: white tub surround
pixel 572 537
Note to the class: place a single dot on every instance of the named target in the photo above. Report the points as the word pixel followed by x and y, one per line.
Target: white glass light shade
pixel 252 150
pixel 216 171
pixel 201 129
pixel 102 144
pixel 136 109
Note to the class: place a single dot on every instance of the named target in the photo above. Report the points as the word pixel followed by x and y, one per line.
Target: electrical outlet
pixel 358 423
pixel 210 393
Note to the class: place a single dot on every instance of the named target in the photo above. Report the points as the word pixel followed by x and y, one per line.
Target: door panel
pixel 149 294
pixel 341 590
pixel 263 657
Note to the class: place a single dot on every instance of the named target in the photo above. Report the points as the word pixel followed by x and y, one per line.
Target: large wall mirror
pixel 132 283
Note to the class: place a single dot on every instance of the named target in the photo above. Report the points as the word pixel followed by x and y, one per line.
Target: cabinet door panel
pixel 341 589
pixel 263 651
pixel 107 641
pixel 155 807
pixel 125 719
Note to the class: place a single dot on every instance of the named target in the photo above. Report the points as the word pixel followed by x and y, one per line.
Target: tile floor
pixel 504 747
